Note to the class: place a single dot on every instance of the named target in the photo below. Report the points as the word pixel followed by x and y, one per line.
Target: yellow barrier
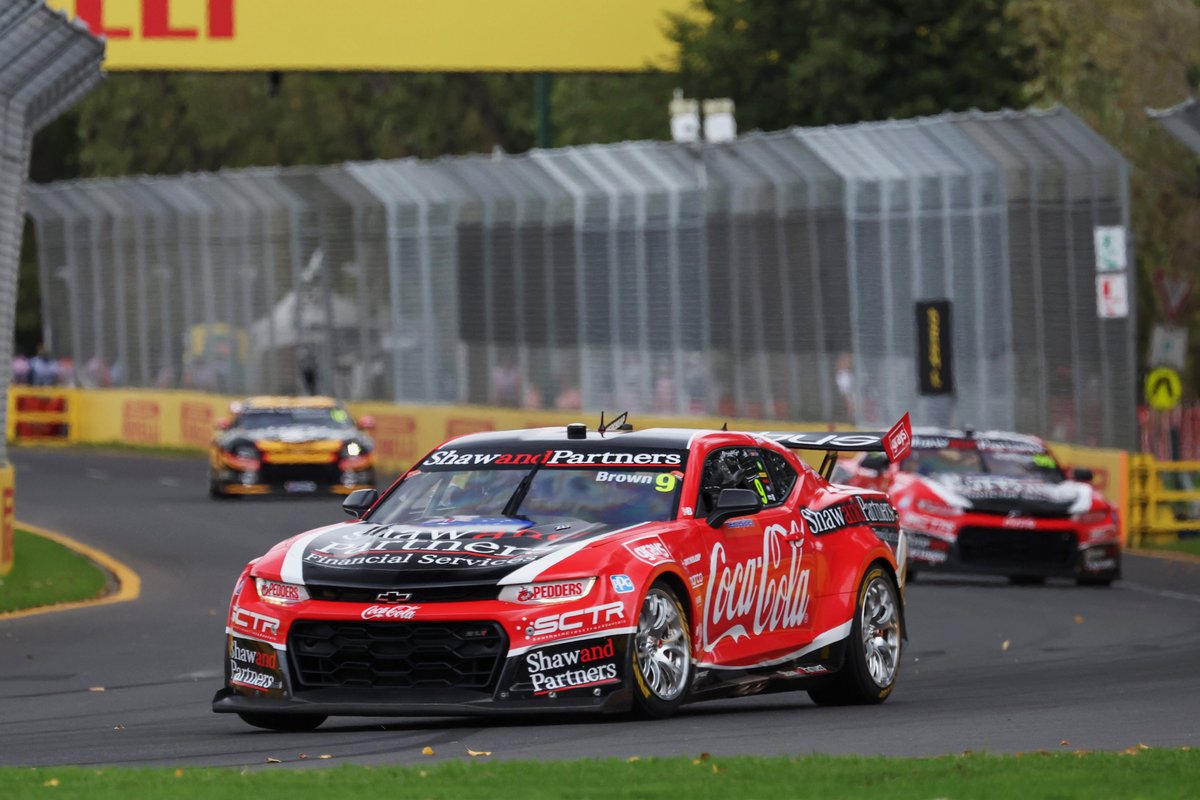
pixel 6 519
pixel 1152 514
pixel 403 433
pixel 1110 475
pixel 42 415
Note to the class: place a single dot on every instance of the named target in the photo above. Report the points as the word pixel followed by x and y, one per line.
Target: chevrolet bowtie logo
pixel 393 597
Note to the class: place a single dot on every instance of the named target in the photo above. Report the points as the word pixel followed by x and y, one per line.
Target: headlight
pixel 939 509
pixel 246 452
pixel 280 594
pixel 353 449
pixel 547 591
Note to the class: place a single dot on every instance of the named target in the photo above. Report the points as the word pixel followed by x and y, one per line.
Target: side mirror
pixel 224 424
pixel 1082 474
pixel 359 501
pixel 733 503
pixel 366 423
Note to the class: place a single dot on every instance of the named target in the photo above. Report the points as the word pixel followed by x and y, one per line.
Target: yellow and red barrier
pixel 402 433
pixel 6 519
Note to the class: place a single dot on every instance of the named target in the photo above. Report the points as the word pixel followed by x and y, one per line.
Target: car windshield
pixel 967 458
pixel 611 497
pixel 257 419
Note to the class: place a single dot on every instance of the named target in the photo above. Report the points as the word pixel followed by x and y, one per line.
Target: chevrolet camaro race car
pixel 996 503
pixel 563 569
pixel 290 445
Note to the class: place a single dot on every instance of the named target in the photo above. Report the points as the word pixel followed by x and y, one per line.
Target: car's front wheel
pixel 873 649
pixel 282 722
pixel 661 654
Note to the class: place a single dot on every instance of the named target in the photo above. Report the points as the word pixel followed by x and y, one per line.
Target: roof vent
pixel 577 430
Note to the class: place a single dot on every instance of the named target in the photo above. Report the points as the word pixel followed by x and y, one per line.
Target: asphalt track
pixel 989 667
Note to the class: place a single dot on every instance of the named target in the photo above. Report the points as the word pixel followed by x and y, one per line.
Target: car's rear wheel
pixel 873 649
pixel 661 654
pixel 282 722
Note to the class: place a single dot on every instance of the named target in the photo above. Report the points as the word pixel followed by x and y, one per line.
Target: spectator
pixel 20 369
pixel 308 371
pixel 95 373
pixel 42 371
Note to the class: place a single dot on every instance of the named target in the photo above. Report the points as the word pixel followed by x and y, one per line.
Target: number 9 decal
pixel 664 482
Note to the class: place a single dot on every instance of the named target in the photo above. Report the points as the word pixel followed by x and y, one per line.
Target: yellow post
pixel 6 518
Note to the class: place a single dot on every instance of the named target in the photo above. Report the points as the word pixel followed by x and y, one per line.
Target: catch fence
pixel 775 276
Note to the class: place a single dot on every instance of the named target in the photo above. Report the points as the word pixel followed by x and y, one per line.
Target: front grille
pixel 1042 509
pixel 440 593
pixel 397 655
pixel 320 474
pixel 1017 547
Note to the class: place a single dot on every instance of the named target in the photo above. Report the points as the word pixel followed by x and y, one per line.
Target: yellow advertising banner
pixel 385 35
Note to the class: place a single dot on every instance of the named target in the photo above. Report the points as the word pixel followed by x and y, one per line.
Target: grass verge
pixel 1190 545
pixel 45 573
pixel 1136 773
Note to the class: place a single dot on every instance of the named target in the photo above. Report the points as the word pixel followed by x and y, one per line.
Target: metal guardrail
pixel 1159 511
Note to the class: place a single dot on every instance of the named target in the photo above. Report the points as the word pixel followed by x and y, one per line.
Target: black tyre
pixel 660 655
pixel 282 722
pixel 873 649
pixel 217 493
pixel 1095 580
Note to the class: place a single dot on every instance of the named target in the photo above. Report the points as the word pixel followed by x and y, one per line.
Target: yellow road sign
pixel 1163 389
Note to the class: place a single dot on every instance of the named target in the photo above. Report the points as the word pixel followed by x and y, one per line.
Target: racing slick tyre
pixel 217 493
pixel 660 658
pixel 873 649
pixel 292 723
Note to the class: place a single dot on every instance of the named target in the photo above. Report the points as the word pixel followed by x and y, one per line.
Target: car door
pixel 756 581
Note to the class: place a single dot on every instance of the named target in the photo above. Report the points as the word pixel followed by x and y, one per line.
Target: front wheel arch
pixel 648 702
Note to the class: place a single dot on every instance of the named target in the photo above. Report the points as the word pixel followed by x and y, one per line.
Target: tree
pixel 821 62
pixel 1108 60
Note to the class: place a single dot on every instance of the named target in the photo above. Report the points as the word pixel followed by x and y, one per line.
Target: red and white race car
pixel 996 503
pixel 574 569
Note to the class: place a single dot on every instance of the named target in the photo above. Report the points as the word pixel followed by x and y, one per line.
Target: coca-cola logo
pixel 390 612
pixel 765 593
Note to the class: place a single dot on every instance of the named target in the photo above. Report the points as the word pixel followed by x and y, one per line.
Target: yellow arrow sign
pixel 1163 389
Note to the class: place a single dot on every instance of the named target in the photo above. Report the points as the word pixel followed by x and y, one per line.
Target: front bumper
pixel 329 657
pixel 996 547
pixel 377 703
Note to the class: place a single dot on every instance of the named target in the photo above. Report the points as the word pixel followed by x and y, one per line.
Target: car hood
pixel 1003 495
pixel 438 550
pixel 294 434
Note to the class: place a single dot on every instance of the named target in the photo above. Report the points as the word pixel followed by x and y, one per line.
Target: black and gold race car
pixel 290 445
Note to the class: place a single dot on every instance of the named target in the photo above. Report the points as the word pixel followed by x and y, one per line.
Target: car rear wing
pixel 896 443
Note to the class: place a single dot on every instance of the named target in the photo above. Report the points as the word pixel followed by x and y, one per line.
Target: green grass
pixel 1188 545
pixel 1137 773
pixel 46 573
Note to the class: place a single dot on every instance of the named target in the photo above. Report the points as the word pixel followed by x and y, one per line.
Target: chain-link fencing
pixel 47 64
pixel 775 276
